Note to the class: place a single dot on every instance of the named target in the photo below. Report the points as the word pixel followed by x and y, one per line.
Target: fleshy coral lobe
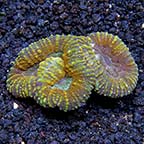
pixel 117 73
pixel 55 71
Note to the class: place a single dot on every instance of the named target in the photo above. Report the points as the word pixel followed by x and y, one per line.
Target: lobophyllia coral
pixel 117 73
pixel 55 71
pixel 62 70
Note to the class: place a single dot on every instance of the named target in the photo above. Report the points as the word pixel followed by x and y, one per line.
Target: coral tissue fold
pixel 61 71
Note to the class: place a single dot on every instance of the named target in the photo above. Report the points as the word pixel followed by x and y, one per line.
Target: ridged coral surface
pixel 117 73
pixel 62 70
pixel 55 71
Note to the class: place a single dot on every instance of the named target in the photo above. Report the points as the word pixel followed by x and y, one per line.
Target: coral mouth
pixel 112 68
pixel 63 84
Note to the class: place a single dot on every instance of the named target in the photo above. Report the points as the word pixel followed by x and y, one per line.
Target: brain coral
pixel 55 71
pixel 117 73
pixel 62 70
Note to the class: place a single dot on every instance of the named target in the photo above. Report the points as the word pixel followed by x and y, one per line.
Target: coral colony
pixel 62 70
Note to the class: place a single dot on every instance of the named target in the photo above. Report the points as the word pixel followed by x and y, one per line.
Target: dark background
pixel 102 120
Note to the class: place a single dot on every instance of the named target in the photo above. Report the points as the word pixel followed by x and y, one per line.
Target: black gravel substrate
pixel 102 120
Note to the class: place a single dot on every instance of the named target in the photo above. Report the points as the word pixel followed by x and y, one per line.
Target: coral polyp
pixel 117 73
pixel 55 71
pixel 61 71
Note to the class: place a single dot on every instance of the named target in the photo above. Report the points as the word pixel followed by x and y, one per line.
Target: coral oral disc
pixel 119 72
